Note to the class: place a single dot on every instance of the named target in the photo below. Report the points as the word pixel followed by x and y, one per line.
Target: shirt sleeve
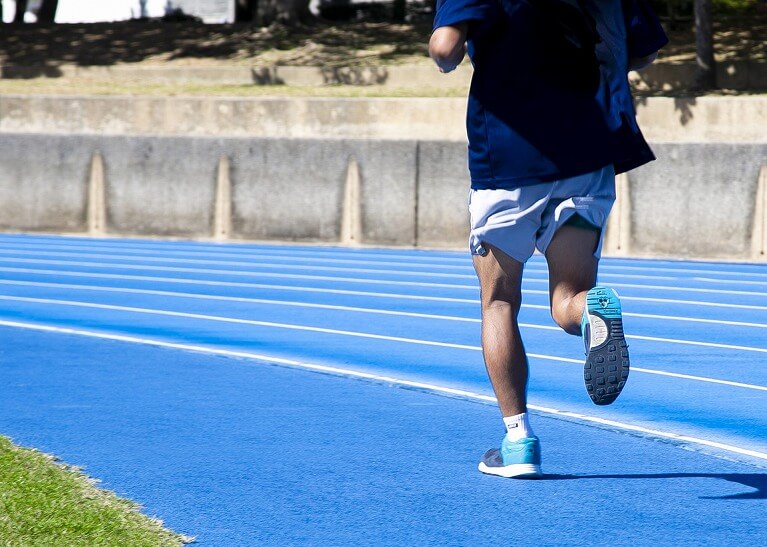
pixel 452 12
pixel 645 35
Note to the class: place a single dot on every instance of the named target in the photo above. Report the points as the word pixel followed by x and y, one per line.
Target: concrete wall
pixel 281 189
pixel 702 119
pixel 748 75
pixel 44 183
pixel 698 200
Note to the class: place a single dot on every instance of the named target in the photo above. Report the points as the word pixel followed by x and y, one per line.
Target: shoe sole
pixel 514 471
pixel 607 364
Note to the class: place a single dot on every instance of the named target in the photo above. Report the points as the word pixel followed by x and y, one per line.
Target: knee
pixel 563 316
pixel 501 298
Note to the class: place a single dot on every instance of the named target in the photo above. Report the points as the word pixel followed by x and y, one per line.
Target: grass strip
pixel 61 86
pixel 45 503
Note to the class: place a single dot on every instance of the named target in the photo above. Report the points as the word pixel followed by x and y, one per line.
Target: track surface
pixel 151 365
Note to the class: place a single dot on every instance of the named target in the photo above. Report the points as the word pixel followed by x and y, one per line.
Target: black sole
pixel 607 365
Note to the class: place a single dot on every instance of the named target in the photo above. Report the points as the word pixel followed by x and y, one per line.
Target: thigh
pixel 572 262
pixel 500 277
pixel 572 249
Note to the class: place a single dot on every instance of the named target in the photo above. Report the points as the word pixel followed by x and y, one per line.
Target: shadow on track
pixel 757 481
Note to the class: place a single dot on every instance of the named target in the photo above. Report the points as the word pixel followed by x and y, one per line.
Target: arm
pixel 447 46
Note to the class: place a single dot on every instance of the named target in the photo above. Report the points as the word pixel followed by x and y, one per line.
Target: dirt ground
pixel 319 44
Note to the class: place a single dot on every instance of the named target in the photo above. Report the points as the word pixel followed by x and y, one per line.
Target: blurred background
pixel 101 102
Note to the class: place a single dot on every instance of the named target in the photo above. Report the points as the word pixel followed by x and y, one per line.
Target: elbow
pixel 447 47
pixel 442 49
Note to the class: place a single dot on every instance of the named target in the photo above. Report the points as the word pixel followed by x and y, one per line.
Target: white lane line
pixel 723 281
pixel 205 317
pixel 695 303
pixel 279 249
pixel 434 388
pixel 667 288
pixel 248 264
pixel 175 294
pixel 472 287
pixel 266 286
pixel 243 299
pixel 141 253
pixel 608 264
pixel 222 319
pixel 299 252
pixel 270 263
pixel 208 283
pixel 696 320
pixel 235 273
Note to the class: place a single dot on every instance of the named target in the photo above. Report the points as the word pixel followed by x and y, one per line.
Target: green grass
pixel 45 503
pixel 65 86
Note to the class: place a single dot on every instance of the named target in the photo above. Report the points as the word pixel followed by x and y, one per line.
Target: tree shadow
pixel 755 481
pixel 102 44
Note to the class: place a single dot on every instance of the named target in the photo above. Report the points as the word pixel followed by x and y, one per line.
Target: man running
pixel 550 121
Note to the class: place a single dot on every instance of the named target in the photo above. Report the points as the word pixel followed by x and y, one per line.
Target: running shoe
pixel 607 354
pixel 519 460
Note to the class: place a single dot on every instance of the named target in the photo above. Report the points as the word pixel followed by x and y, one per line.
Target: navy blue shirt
pixel 549 97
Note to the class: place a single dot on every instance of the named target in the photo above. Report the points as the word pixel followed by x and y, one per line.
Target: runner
pixel 550 122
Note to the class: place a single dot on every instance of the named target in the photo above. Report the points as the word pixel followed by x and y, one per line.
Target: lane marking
pixel 473 286
pixel 248 264
pixel 669 288
pixel 244 299
pixel 270 264
pixel 721 281
pixel 693 303
pixel 203 282
pixel 236 273
pixel 276 248
pixel 99 288
pixel 290 249
pixel 357 334
pixel 141 253
pixel 434 388
pixel 235 320
pixel 696 320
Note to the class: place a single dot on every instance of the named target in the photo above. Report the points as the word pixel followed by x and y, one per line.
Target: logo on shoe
pixel 604 301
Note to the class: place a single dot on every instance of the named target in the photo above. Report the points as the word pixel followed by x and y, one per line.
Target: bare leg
pixel 572 272
pixel 500 279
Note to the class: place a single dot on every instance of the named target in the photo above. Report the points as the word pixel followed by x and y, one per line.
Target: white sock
pixel 517 427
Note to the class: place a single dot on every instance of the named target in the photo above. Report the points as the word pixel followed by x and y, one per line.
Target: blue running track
pixel 286 395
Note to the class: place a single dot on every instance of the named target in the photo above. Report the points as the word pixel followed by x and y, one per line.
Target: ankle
pixel 518 427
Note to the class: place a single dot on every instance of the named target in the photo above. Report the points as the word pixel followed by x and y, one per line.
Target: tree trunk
pixel 705 77
pixel 398 11
pixel 245 11
pixel 21 9
pixel 289 12
pixel 47 12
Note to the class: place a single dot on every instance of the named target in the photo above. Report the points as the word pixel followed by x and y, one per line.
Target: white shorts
pixel 519 221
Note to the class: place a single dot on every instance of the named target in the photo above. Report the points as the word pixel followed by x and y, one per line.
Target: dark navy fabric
pixel 544 103
pixel 645 35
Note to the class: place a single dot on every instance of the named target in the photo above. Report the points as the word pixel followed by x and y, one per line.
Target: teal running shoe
pixel 607 353
pixel 519 460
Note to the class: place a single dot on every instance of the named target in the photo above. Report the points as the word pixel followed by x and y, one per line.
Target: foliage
pixel 670 9
pixel 735 6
